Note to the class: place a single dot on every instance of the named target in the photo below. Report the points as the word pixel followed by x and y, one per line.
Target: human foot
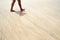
pixel 12 10
pixel 22 10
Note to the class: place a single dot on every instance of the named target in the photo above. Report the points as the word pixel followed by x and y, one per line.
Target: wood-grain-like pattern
pixel 39 21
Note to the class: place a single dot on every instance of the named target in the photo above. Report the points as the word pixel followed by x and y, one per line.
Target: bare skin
pixel 19 3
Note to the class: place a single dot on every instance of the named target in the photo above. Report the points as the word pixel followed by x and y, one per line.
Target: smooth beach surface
pixel 39 21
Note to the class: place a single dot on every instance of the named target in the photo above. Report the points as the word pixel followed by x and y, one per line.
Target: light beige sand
pixel 40 21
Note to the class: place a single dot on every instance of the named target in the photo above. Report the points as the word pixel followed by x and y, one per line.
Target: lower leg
pixel 19 3
pixel 12 5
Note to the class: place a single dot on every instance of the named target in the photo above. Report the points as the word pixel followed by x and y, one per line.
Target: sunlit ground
pixel 39 21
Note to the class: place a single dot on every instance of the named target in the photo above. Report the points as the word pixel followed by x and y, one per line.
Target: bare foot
pixel 22 10
pixel 12 10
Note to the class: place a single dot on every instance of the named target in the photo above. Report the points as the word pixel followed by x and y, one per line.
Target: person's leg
pixel 19 3
pixel 12 5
